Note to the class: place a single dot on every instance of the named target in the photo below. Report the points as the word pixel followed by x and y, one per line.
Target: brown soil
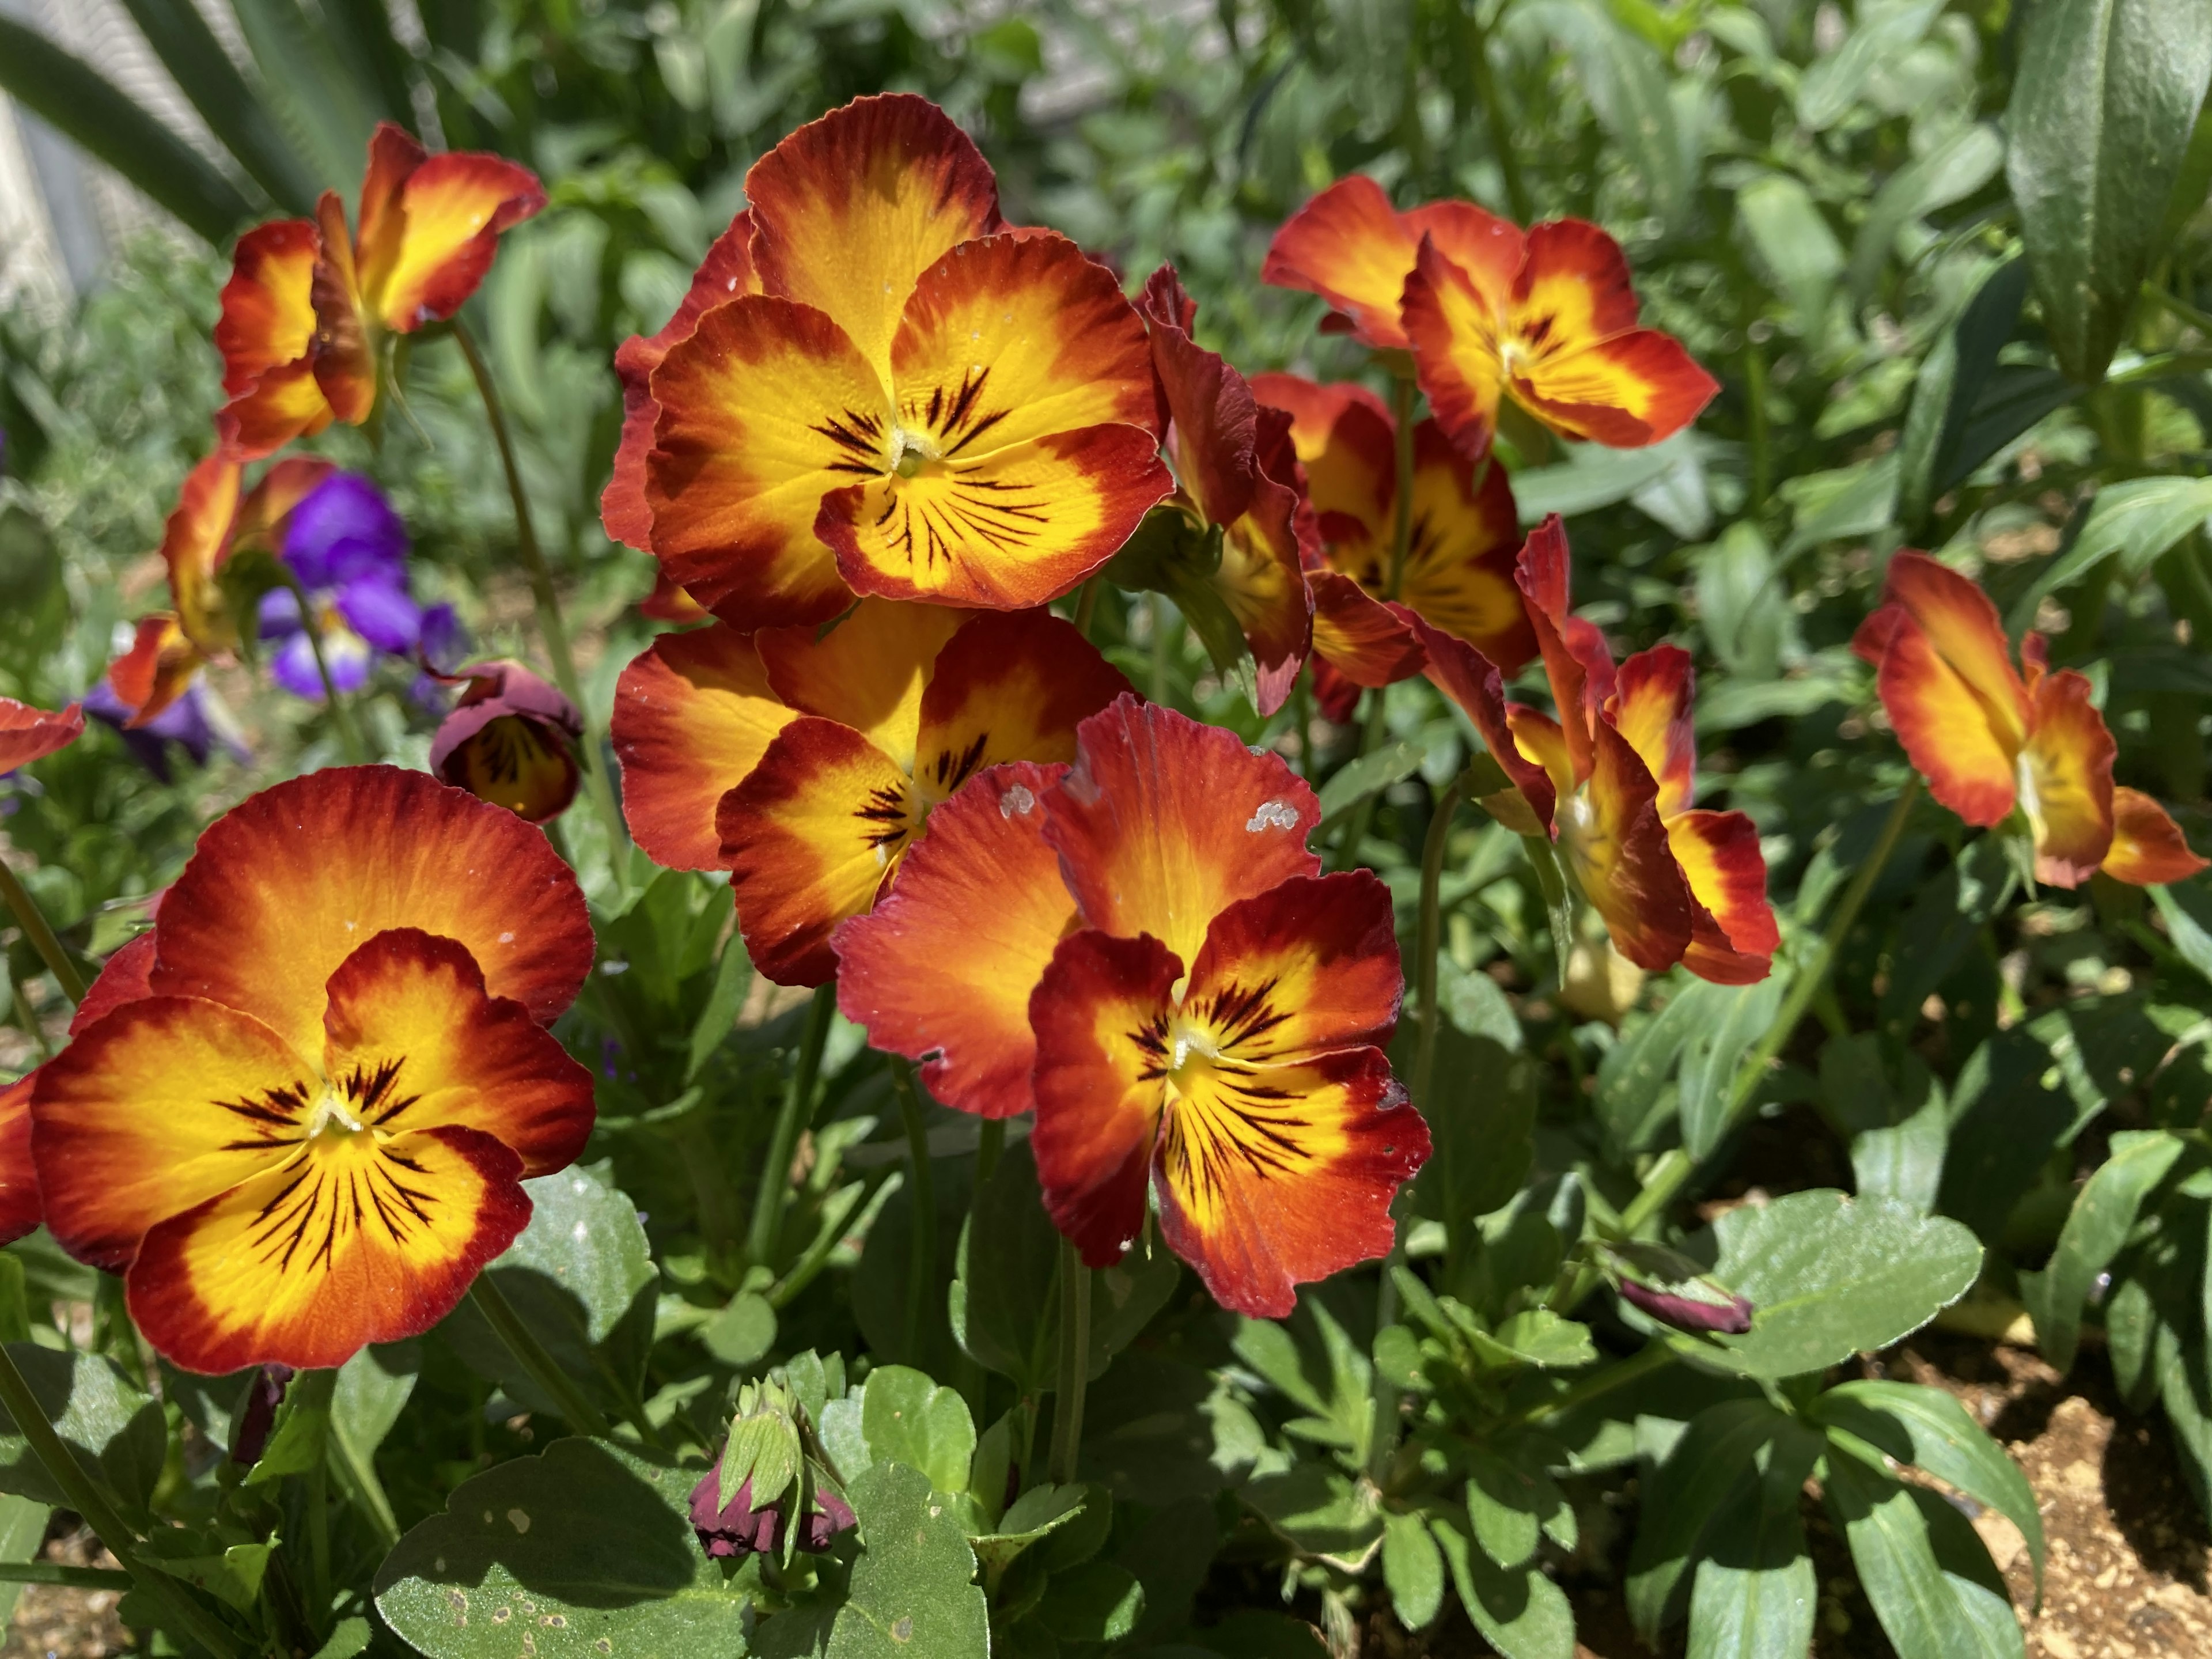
pixel 54 1622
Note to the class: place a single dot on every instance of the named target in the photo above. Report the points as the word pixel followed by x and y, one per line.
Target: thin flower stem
pixel 549 622
pixel 1754 394
pixel 1074 1363
pixel 349 738
pixel 1086 605
pixel 1673 1169
pixel 767 1224
pixel 191 1618
pixel 317 1388
pixel 1160 644
pixel 921 1263
pixel 577 1412
pixel 358 1474
pixel 49 1572
pixel 1494 117
pixel 1649 1358
pixel 990 1142
pixel 32 921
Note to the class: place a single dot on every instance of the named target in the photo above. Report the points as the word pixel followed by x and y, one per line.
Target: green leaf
pixel 2102 108
pixel 1371 774
pixel 1474 1006
pixel 1791 236
pixel 1885 30
pixel 1522 1614
pixel 1537 1336
pixel 232 1575
pixel 1830 1276
pixel 1097 1602
pixel 372 1390
pixel 1754 1592
pixel 1709 1059
pixel 1626 83
pixel 22 1533
pixel 1951 172
pixel 1743 606
pixel 113 1428
pixel 1632 1075
pixel 909 1419
pixel 1482 1118
pixel 1932 1584
pixel 587 1543
pixel 92 112
pixel 1502 1504
pixel 2136 520
pixel 1035 1514
pixel 1929 1428
pixel 911 1594
pixel 1412 1570
pixel 1320 1509
pixel 1590 477
pixel 582 1278
pixel 2095 1228
pixel 309 86
pixel 742 1332
pixel 348 1637
pixel 733 977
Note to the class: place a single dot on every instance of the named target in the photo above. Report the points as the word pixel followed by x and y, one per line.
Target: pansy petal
pixel 265 516
pixel 2067 764
pixel 1577 661
pixel 1164 823
pixel 1962 627
pixel 1367 641
pixel 1211 415
pixel 27 735
pixel 1309 965
pixel 343 360
pixel 1454 333
pixel 354 1242
pixel 1946 730
pixel 1460 565
pixel 288 402
pixel 452 208
pixel 1260 580
pixel 868 671
pixel 268 317
pixel 1733 932
pixel 1490 250
pixel 1013 528
pixel 20 1211
pixel 1100 1013
pixel 766 409
pixel 1472 680
pixel 291 882
pixel 156 669
pixel 1273 1177
pixel 1544 741
pixel 1650 708
pixel 810 836
pixel 1618 849
pixel 849 211
pixel 1573 287
pixel 1350 246
pixel 725 273
pixel 942 969
pixel 413 1041
pixel 2148 848
pixel 165 1103
pixel 1633 390
pixel 125 977
pixel 1009 686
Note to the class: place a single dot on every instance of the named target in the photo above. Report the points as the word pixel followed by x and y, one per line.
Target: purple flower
pixel 443 641
pixel 1690 1313
pixel 736 1528
pixel 344 531
pixel 348 550
pixel 191 721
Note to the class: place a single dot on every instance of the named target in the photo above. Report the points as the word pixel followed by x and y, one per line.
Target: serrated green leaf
pixel 110 1424
pixel 1522 1614
pixel 1412 1570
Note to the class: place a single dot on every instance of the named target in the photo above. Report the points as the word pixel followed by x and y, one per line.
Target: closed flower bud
pixel 738 1528
pixel 267 1393
pixel 1729 1317
pixel 512 741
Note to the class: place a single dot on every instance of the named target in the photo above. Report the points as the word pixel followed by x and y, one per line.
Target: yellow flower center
pixel 330 1116
pixel 911 451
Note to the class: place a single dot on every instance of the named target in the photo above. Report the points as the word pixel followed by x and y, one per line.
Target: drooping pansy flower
pixel 1231 528
pixel 510 740
pixel 1545 317
pixel 1610 779
pixel 1459 562
pixel 217 518
pixel 1142 946
pixel 348 550
pixel 160 665
pixel 917 402
pixel 309 301
pixel 1991 741
pixel 806 764
pixel 194 721
pixel 299 1120
pixel 28 733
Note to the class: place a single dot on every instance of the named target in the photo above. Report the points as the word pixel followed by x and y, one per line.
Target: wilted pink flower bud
pixel 738 1528
pixel 252 1436
pixel 511 741
pixel 1689 1313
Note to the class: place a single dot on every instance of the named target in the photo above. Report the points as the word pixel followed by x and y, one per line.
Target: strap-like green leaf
pixel 235 112
pixel 2094 1231
pixel 1931 1582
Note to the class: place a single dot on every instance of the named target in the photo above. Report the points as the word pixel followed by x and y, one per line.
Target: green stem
pixel 318 1387
pixel 191 1619
pixel 1372 731
pixel 549 622
pixel 1302 723
pixel 1074 1363
pixel 990 1142
pixel 1086 605
pixel 1649 1358
pixel 1754 393
pixel 921 1264
pixel 577 1412
pixel 341 715
pixel 776 1175
pixel 1493 115
pixel 49 1572
pixel 32 921
pixel 1159 643
pixel 1559 905
pixel 365 1487
pixel 28 1015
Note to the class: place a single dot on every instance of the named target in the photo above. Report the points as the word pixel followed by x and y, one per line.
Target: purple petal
pixel 380 612
pixel 442 640
pixel 279 614
pixel 294 668
pixel 343 530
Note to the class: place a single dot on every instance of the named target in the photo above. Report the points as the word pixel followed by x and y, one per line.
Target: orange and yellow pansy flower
pixel 20 1210
pixel 918 402
pixel 807 763
pixel 1610 779
pixel 159 667
pixel 1223 443
pixel 309 300
pixel 305 1128
pixel 216 517
pixel 1188 1002
pixel 1546 318
pixel 28 733
pixel 1459 562
pixel 1991 739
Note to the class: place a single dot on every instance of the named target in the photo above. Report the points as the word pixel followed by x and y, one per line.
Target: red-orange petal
pixel 2148 848
pixel 288 402
pixel 670 603
pixel 1472 680
pixel 356 1241
pixel 1733 934
pixel 1358 636
pixel 1459 567
pixel 1309 965
pixel 1100 1013
pixel 157 668
pixel 2067 768
pixel 693 714
pixel 1164 823
pixel 27 733
pixel 1453 329
pixel 1963 628
pixel 345 361
pixel 427 248
pixel 288 884
pixel 20 1210
pixel 125 977
pixel 1650 708
pixel 725 274
pixel 1010 685
pixel 811 836
pixel 868 671
pixel 942 969
pixel 1347 245
pixel 1577 661
pixel 849 211
pixel 268 317
pixel 1618 849
pixel 1952 738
